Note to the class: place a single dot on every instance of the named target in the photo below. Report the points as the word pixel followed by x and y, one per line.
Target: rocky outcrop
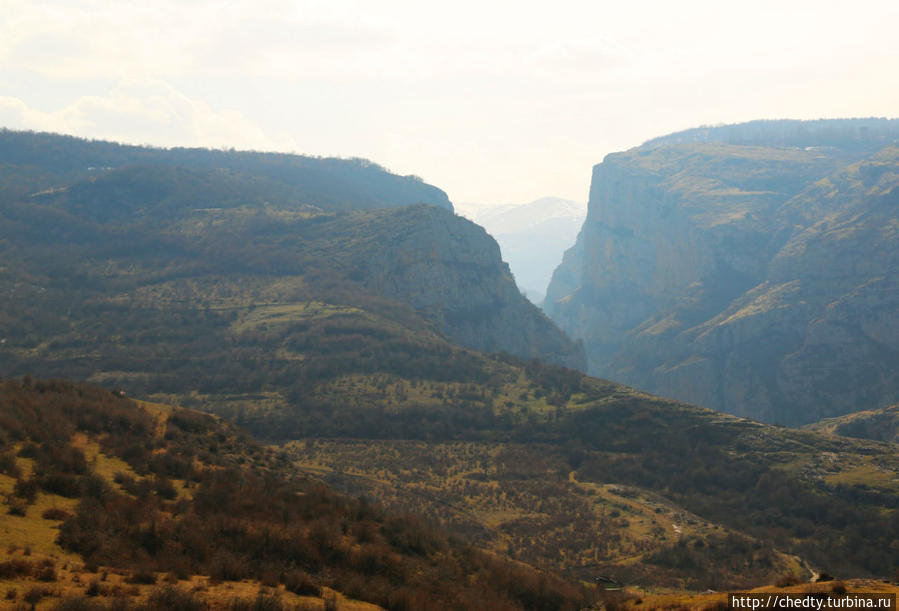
pixel 757 280
pixel 879 425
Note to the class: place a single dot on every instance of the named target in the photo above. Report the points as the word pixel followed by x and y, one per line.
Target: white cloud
pixel 489 100
pixel 146 112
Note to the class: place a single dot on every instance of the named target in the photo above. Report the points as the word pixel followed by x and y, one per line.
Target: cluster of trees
pixel 735 475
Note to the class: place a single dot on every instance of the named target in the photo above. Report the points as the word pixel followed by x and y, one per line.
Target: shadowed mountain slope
pixel 746 268
pixel 173 256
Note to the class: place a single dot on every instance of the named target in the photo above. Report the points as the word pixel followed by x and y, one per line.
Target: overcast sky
pixel 494 102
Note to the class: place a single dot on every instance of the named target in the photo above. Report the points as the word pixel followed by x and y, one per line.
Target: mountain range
pixel 347 317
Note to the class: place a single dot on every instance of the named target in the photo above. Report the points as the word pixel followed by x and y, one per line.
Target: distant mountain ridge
pixel 532 237
pixel 747 268
pixel 859 134
pixel 53 160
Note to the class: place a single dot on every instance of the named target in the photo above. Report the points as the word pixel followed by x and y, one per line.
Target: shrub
pixel 29 450
pixel 142 576
pixel 170 598
pixel 26 489
pixel 164 488
pixel 46 571
pixel 300 583
pixel 17 507
pixel 55 513
pixel 63 484
pixel 8 465
pixel 34 595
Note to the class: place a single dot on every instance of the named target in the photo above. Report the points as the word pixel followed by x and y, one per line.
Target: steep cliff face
pixel 757 280
pixel 451 271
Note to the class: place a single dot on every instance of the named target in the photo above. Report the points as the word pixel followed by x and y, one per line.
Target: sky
pixel 492 101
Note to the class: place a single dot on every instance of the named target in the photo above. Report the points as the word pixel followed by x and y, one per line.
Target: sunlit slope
pixel 879 424
pixel 534 461
pixel 98 485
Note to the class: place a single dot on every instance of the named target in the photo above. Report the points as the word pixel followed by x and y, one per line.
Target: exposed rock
pixel 880 424
pixel 757 280
pixel 450 270
pixel 118 219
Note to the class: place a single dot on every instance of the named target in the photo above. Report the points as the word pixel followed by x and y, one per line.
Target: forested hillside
pixel 31 162
pixel 168 272
pixel 162 492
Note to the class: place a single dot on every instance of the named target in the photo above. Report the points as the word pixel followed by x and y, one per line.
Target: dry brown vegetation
pixel 191 496
pixel 526 502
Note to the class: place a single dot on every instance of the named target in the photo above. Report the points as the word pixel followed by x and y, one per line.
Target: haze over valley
pixel 532 237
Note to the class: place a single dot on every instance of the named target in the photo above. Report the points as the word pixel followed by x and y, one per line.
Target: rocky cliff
pixel 750 278
pixel 450 270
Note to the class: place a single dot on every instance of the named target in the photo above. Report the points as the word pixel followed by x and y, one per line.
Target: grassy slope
pixel 295 359
pixel 877 424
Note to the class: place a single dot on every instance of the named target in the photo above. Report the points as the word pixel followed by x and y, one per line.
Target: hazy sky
pixel 492 101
